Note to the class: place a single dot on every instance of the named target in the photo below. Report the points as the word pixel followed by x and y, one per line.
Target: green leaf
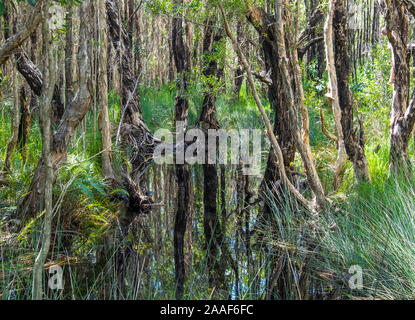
pixel 2 7
pixel 31 2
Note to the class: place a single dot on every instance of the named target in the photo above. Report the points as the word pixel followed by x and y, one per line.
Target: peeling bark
pixel 34 78
pixel 50 73
pixel 333 96
pixel 354 143
pixel 71 118
pixel 104 124
pixel 401 124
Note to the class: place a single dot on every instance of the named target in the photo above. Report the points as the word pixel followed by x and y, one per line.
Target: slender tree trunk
pixel 15 125
pixel 24 126
pixel 333 96
pixel 50 74
pixel 103 118
pixel 69 55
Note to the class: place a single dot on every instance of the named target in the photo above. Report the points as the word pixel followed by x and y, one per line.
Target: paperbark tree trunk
pixel 293 95
pixel 181 55
pixel 104 124
pixel 15 125
pixel 354 143
pixel 282 128
pixel 333 96
pixel 401 124
pixel 71 118
pixel 34 78
pixel 50 73
pixel 274 142
pixel 211 223
pixel 69 55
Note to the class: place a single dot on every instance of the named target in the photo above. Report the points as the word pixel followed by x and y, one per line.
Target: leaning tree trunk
pixel 136 139
pixel 353 142
pixel 132 130
pixel 181 55
pixel 397 31
pixel 34 78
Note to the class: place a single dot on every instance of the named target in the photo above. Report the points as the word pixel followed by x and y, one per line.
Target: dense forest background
pixel 84 86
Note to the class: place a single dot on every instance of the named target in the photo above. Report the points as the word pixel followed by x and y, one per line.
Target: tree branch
pixel 18 38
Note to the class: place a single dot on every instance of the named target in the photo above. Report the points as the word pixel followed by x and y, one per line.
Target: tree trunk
pixel 274 142
pixel 34 78
pixel 397 31
pixel 15 125
pixel 69 55
pixel 132 129
pixel 181 55
pixel 24 126
pixel 282 128
pixel 104 124
pixel 50 74
pixel 333 96
pixel 211 222
pixel 354 144
pixel 71 118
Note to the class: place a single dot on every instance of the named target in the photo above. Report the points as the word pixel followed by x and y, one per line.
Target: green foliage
pixel 375 230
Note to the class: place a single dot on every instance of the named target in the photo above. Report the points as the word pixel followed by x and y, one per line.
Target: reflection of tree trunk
pixel 211 223
pixel 354 144
pixel 181 55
